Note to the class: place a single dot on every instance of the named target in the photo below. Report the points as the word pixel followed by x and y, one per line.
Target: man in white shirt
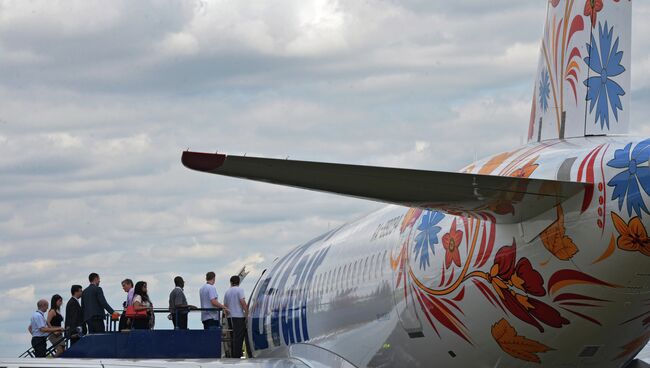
pixel 127 286
pixel 40 330
pixel 236 302
pixel 210 299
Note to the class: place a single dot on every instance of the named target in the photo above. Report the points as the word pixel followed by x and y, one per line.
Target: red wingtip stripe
pixel 202 161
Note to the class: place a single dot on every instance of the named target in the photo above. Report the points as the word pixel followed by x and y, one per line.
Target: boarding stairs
pixel 156 343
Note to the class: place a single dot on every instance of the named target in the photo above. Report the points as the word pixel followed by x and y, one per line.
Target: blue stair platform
pixel 142 344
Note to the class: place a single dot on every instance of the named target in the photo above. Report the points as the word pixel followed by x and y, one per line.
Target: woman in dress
pixel 55 319
pixel 141 302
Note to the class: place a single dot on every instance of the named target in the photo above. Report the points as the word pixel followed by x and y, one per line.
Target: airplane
pixel 536 256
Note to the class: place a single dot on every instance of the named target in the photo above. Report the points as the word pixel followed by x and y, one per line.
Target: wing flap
pixel 506 199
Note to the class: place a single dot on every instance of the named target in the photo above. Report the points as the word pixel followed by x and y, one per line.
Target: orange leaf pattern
pixel 494 162
pixel 556 241
pixel 632 235
pixel 515 345
pixel 527 170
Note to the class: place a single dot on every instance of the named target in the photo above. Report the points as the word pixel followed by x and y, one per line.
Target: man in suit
pixel 93 305
pixel 74 315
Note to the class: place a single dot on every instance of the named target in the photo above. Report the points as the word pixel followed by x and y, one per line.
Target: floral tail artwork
pixel 509 283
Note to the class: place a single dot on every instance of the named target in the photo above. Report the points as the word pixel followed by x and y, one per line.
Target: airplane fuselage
pixel 409 287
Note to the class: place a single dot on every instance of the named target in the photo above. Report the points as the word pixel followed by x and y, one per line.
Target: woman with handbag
pixel 142 309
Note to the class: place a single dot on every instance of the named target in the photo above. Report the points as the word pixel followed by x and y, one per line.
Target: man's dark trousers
pixel 180 320
pixel 238 326
pixel 40 346
pixel 210 324
pixel 96 325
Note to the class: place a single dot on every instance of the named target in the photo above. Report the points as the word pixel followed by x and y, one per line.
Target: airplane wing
pixel 506 199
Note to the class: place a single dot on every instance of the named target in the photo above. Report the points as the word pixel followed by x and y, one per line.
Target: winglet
pixel 202 161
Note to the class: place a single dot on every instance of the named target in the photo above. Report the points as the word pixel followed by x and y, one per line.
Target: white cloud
pixel 25 294
pixel 520 54
pixel 179 43
pixel 421 146
pixel 65 140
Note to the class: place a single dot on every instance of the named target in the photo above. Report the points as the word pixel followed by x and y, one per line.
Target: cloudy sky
pixel 99 99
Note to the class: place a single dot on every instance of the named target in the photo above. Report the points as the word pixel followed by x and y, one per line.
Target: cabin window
pixel 365 269
pixel 383 263
pixel 328 284
pixel 338 278
pixel 346 276
pixel 355 272
pixel 372 264
pixel 378 266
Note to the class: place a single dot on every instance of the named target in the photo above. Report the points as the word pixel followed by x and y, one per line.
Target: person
pixel 178 307
pixel 235 301
pixel 93 305
pixel 141 301
pixel 39 329
pixel 55 319
pixel 210 299
pixel 127 286
pixel 74 315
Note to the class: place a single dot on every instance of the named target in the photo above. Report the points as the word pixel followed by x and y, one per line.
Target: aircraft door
pixel 406 304
pixel 408 317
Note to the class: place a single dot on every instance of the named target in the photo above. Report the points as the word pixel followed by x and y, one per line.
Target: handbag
pixel 131 312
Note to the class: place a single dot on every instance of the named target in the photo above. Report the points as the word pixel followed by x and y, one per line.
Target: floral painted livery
pixel 604 60
pixel 634 177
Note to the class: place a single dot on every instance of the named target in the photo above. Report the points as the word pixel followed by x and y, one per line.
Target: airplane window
pixel 328 285
pixel 377 266
pixel 359 274
pixel 350 275
pixel 383 263
pixel 372 264
pixel 338 277
pixel 365 269
pixel 346 277
pixel 355 273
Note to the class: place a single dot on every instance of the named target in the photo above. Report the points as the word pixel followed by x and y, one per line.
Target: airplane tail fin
pixel 582 84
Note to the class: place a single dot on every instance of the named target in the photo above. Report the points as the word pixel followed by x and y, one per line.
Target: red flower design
pixel 592 7
pixel 514 282
pixel 451 242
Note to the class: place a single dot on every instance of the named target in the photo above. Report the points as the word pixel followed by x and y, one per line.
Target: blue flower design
pixel 602 91
pixel 427 236
pixel 626 183
pixel 544 90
